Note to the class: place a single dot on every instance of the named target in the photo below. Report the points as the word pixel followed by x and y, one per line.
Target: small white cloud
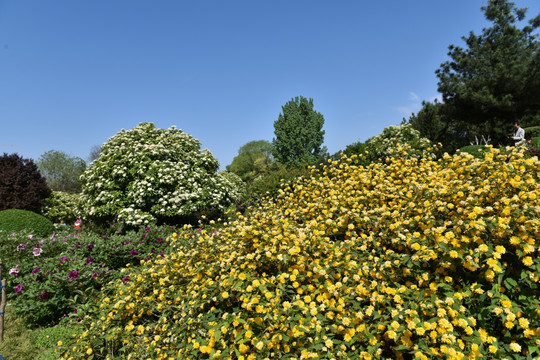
pixel 413 106
pixel 413 96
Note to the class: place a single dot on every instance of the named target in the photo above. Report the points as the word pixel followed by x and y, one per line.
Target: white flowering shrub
pixel 145 174
pixel 389 143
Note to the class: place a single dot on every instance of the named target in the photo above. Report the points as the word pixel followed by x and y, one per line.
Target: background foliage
pixel 61 171
pixel 21 184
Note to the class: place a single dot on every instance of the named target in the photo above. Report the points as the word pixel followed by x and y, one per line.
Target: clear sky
pixel 74 73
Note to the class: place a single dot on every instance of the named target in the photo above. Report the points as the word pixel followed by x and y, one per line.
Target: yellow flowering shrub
pixel 414 258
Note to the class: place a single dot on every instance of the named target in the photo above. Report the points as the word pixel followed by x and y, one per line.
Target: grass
pixel 19 341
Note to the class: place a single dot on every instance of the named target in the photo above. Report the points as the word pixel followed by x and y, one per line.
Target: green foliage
pixel 495 79
pixel 52 340
pixel 49 278
pixel 392 139
pixel 16 220
pixel 433 123
pixel 254 159
pixel 270 184
pixel 298 134
pixel 61 171
pixel 147 175
pixel 62 207
pixel 19 341
pixel 475 150
pixel 21 184
pixel 532 132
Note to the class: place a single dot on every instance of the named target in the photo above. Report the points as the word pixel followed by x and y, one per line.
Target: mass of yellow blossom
pixel 411 258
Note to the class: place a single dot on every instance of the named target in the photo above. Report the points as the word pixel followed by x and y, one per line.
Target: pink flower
pixel 44 295
pixel 14 271
pixel 36 251
pixel 18 288
pixel 73 274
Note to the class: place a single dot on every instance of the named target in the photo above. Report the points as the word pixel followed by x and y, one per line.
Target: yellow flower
pixel 515 346
pixel 528 261
pixel 243 348
pixel 524 323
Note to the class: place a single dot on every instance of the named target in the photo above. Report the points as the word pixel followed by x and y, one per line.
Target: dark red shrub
pixel 21 184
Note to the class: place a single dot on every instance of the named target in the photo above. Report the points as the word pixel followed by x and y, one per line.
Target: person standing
pixel 519 134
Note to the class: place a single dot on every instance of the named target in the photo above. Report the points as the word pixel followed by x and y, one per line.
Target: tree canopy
pixel 298 134
pixel 61 171
pixel 21 184
pixel 495 79
pixel 254 159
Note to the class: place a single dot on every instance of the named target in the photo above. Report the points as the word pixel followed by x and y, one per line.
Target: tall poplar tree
pixel 299 134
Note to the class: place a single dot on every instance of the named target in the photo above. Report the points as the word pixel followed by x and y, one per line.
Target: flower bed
pixel 414 258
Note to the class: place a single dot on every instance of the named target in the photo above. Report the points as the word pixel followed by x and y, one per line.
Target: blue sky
pixel 74 73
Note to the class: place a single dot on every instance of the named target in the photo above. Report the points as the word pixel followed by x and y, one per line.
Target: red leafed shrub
pixel 21 184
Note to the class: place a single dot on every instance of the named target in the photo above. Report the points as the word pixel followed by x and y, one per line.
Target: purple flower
pixel 143 235
pixel 134 252
pixel 21 247
pixel 147 229
pixel 36 251
pixel 64 239
pixel 45 295
pixel 14 271
pixel 89 260
pixel 159 240
pixel 90 246
pixel 63 259
pixel 31 237
pixel 73 274
pixel 125 279
pixel 36 270
pixel 18 288
pixel 94 275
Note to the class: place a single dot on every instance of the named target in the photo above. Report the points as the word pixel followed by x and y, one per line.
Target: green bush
pixel 532 132
pixel 15 220
pixel 270 184
pixel 475 150
pixel 62 207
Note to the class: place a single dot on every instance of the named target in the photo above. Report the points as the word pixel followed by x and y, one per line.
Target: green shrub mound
pixel 475 150
pixel 15 221
pixel 408 259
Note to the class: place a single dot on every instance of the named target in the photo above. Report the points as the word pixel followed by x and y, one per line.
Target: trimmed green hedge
pixel 15 220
